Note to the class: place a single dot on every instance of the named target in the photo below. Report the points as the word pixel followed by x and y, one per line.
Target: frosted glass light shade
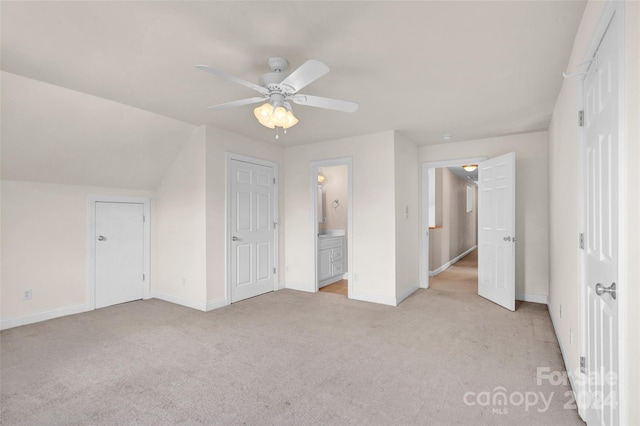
pixel 271 118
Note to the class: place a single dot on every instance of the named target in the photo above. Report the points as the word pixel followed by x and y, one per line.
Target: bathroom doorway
pixel 332 225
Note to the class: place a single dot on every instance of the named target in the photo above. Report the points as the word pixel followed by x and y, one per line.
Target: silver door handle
pixel 600 290
pixel 234 238
pixel 102 238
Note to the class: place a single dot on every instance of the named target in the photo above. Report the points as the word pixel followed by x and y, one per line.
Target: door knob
pixel 507 239
pixel 600 290
pixel 234 238
pixel 102 238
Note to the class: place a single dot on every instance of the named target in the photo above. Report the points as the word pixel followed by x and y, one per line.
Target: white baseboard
pixel 216 304
pixel 299 286
pixel 373 298
pixel 407 293
pixel 345 276
pixel 42 316
pixel 532 297
pixel 568 365
pixel 451 262
pixel 201 306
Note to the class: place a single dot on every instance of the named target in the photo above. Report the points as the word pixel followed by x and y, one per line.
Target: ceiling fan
pixel 276 89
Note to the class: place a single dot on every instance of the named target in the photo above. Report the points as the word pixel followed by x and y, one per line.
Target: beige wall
pixel 218 143
pixel 44 245
pixel 407 216
pixel 335 187
pixel 532 261
pixel 180 258
pixel 458 231
pixel 373 213
pixel 563 212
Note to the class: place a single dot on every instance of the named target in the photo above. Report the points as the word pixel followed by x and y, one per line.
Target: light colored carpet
pixel 284 358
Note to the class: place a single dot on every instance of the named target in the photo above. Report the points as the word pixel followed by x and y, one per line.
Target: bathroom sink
pixel 326 233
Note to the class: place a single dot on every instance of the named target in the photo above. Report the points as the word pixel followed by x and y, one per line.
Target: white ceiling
pixel 471 69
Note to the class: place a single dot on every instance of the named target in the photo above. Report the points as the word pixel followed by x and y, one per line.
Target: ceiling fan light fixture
pixel 470 167
pixel 272 118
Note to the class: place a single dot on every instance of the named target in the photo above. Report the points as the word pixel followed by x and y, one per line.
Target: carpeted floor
pixel 441 357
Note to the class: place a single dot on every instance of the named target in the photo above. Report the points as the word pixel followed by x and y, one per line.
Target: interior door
pixel 600 182
pixel 252 230
pixel 496 230
pixel 119 253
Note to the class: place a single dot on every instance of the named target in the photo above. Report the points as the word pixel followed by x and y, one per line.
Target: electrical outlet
pixel 560 311
pixel 184 281
pixel 27 294
pixel 570 336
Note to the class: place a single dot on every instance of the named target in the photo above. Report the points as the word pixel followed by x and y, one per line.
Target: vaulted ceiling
pixel 470 69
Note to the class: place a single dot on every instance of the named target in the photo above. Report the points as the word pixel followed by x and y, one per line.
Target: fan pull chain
pixel 277 135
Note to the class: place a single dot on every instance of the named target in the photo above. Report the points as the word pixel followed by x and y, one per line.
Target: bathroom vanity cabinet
pixel 331 262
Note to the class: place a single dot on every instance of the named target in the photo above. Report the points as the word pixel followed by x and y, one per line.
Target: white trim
pixel 567 361
pixel 532 297
pixel 91 242
pixel 372 298
pixel 42 316
pixel 424 230
pixel 216 304
pixel 407 293
pixel 613 9
pixel 451 262
pixel 313 186
pixel 229 156
pixel 194 304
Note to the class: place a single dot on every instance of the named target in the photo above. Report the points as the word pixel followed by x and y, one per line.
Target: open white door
pixel 496 230
pixel 600 186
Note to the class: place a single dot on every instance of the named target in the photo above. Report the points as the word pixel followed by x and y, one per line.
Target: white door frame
pixel 229 156
pixel 424 239
pixel 612 8
pixel 313 191
pixel 91 242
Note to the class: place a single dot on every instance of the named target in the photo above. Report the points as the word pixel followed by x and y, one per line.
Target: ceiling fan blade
pixel 328 103
pixel 238 103
pixel 306 74
pixel 233 78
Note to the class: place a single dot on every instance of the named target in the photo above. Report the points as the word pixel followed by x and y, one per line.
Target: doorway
pixel 118 241
pixel 453 216
pixel 496 226
pixel 331 202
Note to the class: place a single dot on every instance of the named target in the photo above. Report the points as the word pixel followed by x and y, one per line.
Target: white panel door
pixel 496 230
pixel 601 233
pixel 119 253
pixel 252 230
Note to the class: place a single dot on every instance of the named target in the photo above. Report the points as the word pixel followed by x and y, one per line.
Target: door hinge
pixel 275 224
pixel 274 181
pixel 144 219
pixel 583 365
pixel 581 118
pixel 274 270
pixel 581 241
pixel 143 277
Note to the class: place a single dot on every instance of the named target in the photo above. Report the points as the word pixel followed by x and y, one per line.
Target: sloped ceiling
pixel 470 69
